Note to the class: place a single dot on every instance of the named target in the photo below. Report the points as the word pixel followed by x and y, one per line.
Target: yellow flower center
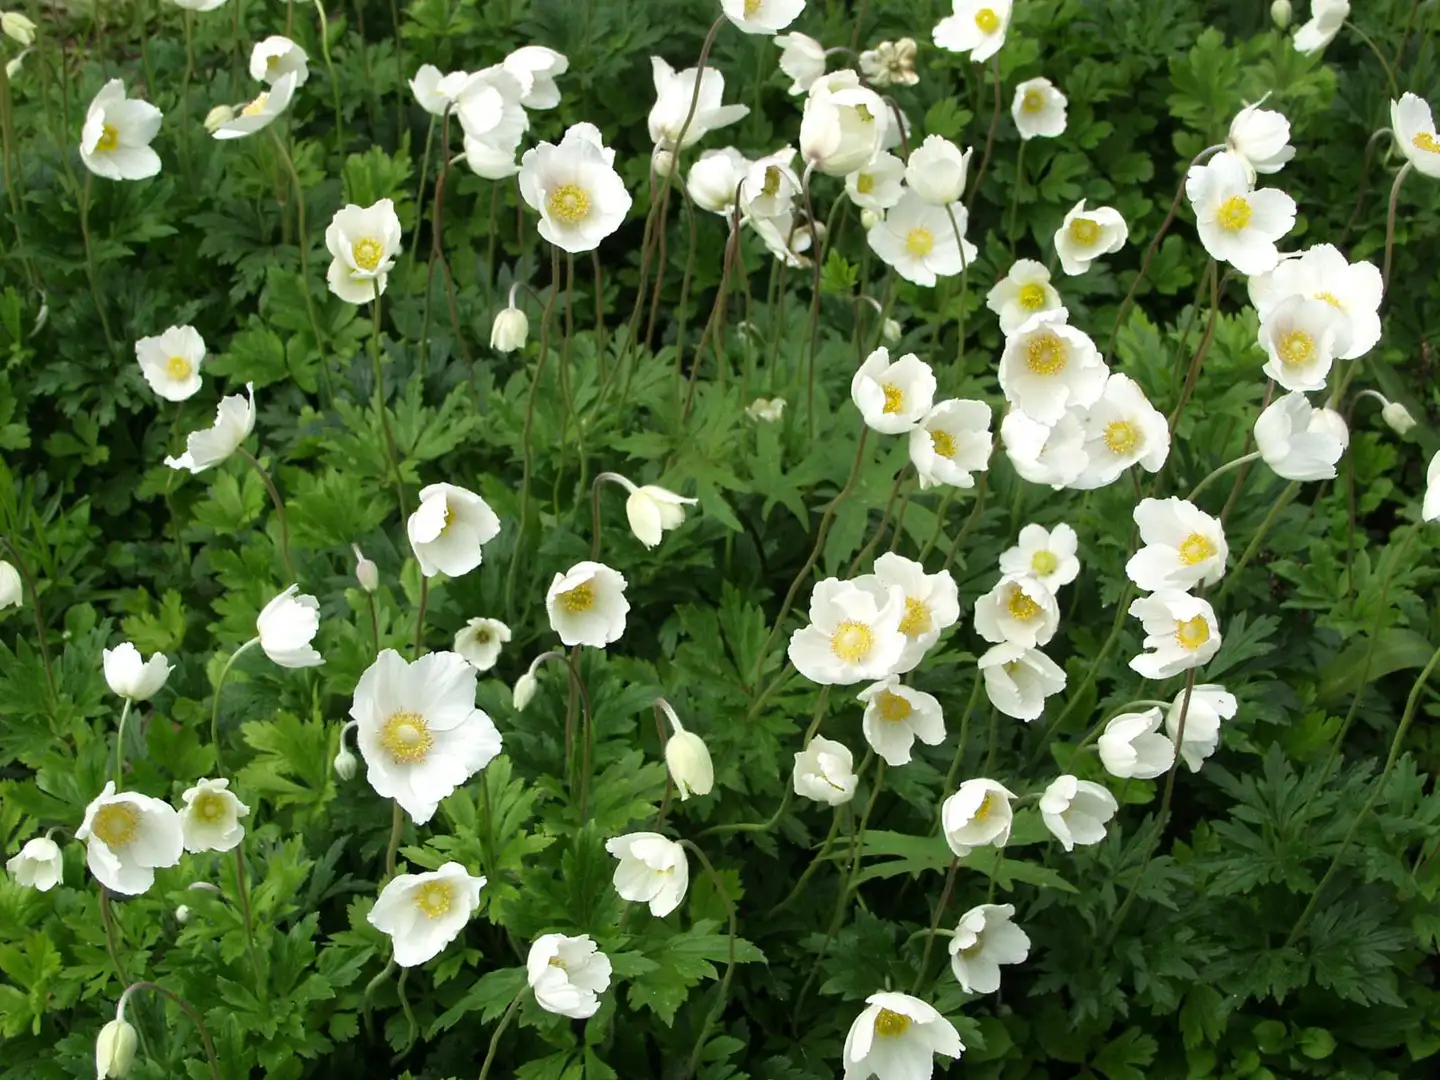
pixel 894 398
pixel 772 181
pixel 1122 437
pixel 988 22
pixel 406 737
pixel 579 599
pixel 367 253
pixel 209 807
pixel 482 637
pixel 1032 297
pixel 1032 101
pixel 1333 300
pixel 434 898
pixel 986 807
pixel 1044 562
pixel 569 203
pixel 852 641
pixel 256 107
pixel 919 242
pixel 1196 549
pixel 177 367
pixel 1234 214
pixel 1426 141
pixel 1296 347
pixel 865 183
pixel 556 962
pixel 272 62
pixel 892 1024
pixel 865 115
pixel 1084 231
pixel 892 707
pixel 116 824
pixel 1192 633
pixel 752 8
pixel 1020 606
pixel 917 616
pixel 109 138
pixel 943 443
pixel 1046 354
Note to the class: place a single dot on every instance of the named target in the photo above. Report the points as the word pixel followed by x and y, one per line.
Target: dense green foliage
pixel 1280 920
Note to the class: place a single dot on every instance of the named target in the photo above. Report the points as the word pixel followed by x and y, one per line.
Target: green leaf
pixel 1396 649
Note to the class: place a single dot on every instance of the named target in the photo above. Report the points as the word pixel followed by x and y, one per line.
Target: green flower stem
pixel 814 865
pixel 765 826
pixel 989 138
pixel 945 895
pixel 719 1007
pixel 1390 221
pixel 120 742
pixel 964 276
pixel 1280 503
pixel 42 632
pixel 242 887
pixel 500 1030
pixel 90 259
pixel 1385 64
pixel 939 523
pixel 1244 459
pixel 980 489
pixel 107 919
pixel 879 532
pixel 374 621
pixel 215 705
pixel 419 618
pixel 964 731
pixel 279 505
pixel 420 198
pixel 189 1010
pixel 1015 194
pixel 377 360
pixel 334 82
pixel 8 146
pixel 397 825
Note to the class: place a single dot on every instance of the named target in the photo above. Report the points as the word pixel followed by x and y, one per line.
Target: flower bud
pixel 509 330
pixel 182 914
pixel 663 161
pixel 1280 14
pixel 524 691
pixel 653 510
pixel 114 1049
pixel 344 763
pixel 17 27
pixel 766 410
pixel 687 757
pixel 366 572
pixel 890 331
pixel 870 218
pixel 218 117
pixel 1398 417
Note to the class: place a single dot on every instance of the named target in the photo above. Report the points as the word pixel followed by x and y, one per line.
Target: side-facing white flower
pixel 896 1037
pixel 12 589
pixel 115 142
pixel 918 240
pixel 509 330
pixel 1301 338
pixel 1019 679
pixel 568 975
pixel 278 56
pixel 234 420
pixel 261 112
pixel 985 938
pixel 18 27
pixel 803 59
pixel 674 94
pixel 364 242
pixel 449 530
pixel 687 757
pixel 287 625
pixel 896 715
pixel 576 190
pixel 1049 367
pixel 587 605
pixel 115 1049
pixel 1321 272
pixel 1048 555
pixel 210 819
pixel 535 67
pixel 1131 747
pixel 1019 609
pixel 1430 505
pixel 418 729
pixel 1326 19
pixel 1038 109
pixel 1181 632
pixel 1024 291
pixel 890 62
pixel 714 178
pixel 932 603
pixel 979 814
pixel 976 27
pixel 844 124
pixel 1238 224
pixel 1075 811
pixel 1085 235
pixel 1260 138
pixel 952 442
pixel 1298 441
pixel 878 184
pixel 936 171
pixel 131 677
pixel 492 115
pixel 170 362
pixel 892 396
pixel 479 642
pixel 127 837
pixel 423 913
pixel 434 91
pixel 1209 705
pixel 653 870
pixel 770 186
pixel 1182 546
pixel 1122 429
pixel 1415 135
pixel 854 633
pixel 40 865
pixel 652 510
pixel 825 772
pixel 762 16
pixel 1042 453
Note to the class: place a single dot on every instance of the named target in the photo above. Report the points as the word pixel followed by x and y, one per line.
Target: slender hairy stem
pixel 1384 63
pixel 1280 504
pixel 500 1030
pixel 397 825
pixel 420 617
pixel 945 895
pixel 814 865
pixel 279 505
pixel 107 919
pixel 90 260
pixel 189 1010
pixel 989 138
pixel 392 456
pixel 1243 459
pixel 120 743
pixel 215 705
pixel 242 886
pixel 1390 221
pixel 42 632
pixel 719 1007
pixel 334 82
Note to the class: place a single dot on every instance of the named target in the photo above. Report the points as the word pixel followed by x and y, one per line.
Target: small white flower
pixel 1132 748
pixel 936 171
pixel 115 142
pixel 535 67
pixel 490 105
pixel 1020 610
pixel 1302 337
pixel 653 511
pixel 434 91
pixel 480 641
pixel 1038 109
pixel 674 94
pixel 844 124
pixel 1181 632
pixel 261 112
pixel 1396 417
pixel 1298 441
pixel 825 772
pixel 878 184
pixel 854 633
pixel 893 397
pixel 896 1038
pixel 1047 555
pixel 568 975
pixel 1209 705
pixel 1122 429
pixel 1182 546
pixel 932 603
pixel 1018 680
pixel 1021 293
pixel 918 241
pixel 524 690
pixel 210 819
pixel 1085 235
pixel 890 63
pixel 367 574
pixel 131 677
pixel 115 1049
pixel 13 65
pixel 1260 138
pixel 976 27
pixel 952 443
pixel 364 242
pixel 762 16
pixel 449 530
pixel 770 186
pixel 587 605
pixel 979 814
pixel 18 27
pixel 714 178
pixel 1042 453
pixel 890 331
pixel 1415 135
pixel 1326 19
pixel 653 870
pixel 1049 367
pixel 803 59
pixel 171 362
pixel 423 913
pixel 687 757
pixel 234 420
pixel 766 410
pixel 127 837
pixel 40 865
pixel 1323 273
pixel 218 117
pixel 278 56
pixel 1430 505
pixel 576 190
pixel 1075 811
pixel 1238 224
pixel 985 938
pixel 345 763
pixel 286 627
pixel 12 588
pixel 509 330
pixel 786 240
pixel 896 715
pixel 1280 12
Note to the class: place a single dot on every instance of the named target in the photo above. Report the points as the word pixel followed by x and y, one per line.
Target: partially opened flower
pixel 897 715
pixel 770 186
pixel 1238 224
pixel 936 171
pixel 587 605
pixel 277 56
pixel 171 362
pixel 714 178
pixel 687 757
pixel 1019 609
pixel 1122 429
pixel 262 111
pixel 449 530
pixel 652 510
pixel 115 142
pixel 1085 235
pixel 979 814
pixel 951 444
pixel 1038 109
pixel 844 124
pixel 1024 291
pixel 574 186
pixel 364 242
pixel 492 115
pixel 130 676
pixel 423 913
pixel 1075 811
pixel 787 240
pixel 39 864
pixel 1131 746
pixel 1042 453
pixel 932 603
pixel 1019 679
pixel 479 642
pixel 762 16
pixel 919 241
pixel 890 62
pixel 286 626
pixel 1298 441
pixel 127 837
pixel 536 67
pixel 1326 19
pixel 1209 705
pixel 878 184
pixel 1049 367
pixel 1430 506
pixel 824 772
pixel 1301 338
pixel 234 420
pixel 803 59
pixel 674 96
pixel 896 1037
pixel 892 396
pixel 1323 273
pixel 1048 555
pixel 976 27
pixel 567 975
pixel 1182 546
pixel 1260 138
pixel 434 91
pixel 985 938
pixel 854 634
pixel 653 870
pixel 18 27
pixel 210 819
pixel 418 729
pixel 1414 127
pixel 1181 632
pixel 12 588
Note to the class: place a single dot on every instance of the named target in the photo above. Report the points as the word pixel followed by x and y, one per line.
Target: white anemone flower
pixel 1019 609
pixel 1018 680
pixel 985 938
pixel 127 837
pixel 1048 555
pixel 434 90
pixel 952 443
pixel 568 975
pixel 1182 546
pixel 1326 19
pixel 1085 235
pixel 714 178
pixel 1238 224
pixel 892 396
pixel 1049 367
pixel 261 112
pixel 449 530
pixel 39 865
pixel 234 420
pixel 1430 505
pixel 919 241
pixel 286 626
pixel 1122 429
pixel 492 117
pixel 418 729
pixel 1260 138
pixel 761 16
pixel 210 819
pixel 825 772
pixel 423 913
pixel 1024 291
pixel 277 56
pixel 1299 441
pixel 1038 109
pixel 936 171
pixel 1041 453
pixel 115 1049
pixel 115 142
pixel 890 63
pixel 843 125
pixel 979 814
pixel 896 1037
pixel 932 603
pixel 587 605
pixel 674 93
pixel 878 184
pixel 1323 273
pixel 1415 135
pixel 171 361
pixel 1181 633
pixel 785 239
pixel 854 634
pixel 896 715
pixel 770 186
pixel 536 67
pixel 1209 705
pixel 976 27
pixel 802 58
pixel 686 757
pixel 652 510
pixel 576 190
pixel 1076 811
pixel 1302 338
pixel 480 641
pixel 653 870
pixel 364 242
pixel 131 677
pixel 1131 746
pixel 12 589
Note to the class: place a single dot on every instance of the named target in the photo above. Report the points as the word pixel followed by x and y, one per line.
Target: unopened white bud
pixel 687 757
pixel 217 117
pixel 115 1049
pixel 890 331
pixel 1280 13
pixel 182 914
pixel 366 572
pixel 870 218
pixel 17 27
pixel 509 330
pixel 663 160
pixel 344 763
pixel 524 691
pixel 1398 417
pixel 12 66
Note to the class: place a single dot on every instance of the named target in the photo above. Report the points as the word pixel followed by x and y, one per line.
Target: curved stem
pixel 1389 71
pixel 1390 221
pixel 302 241
pixel 120 742
pixel 242 886
pixel 755 826
pixel 215 705
pixel 990 138
pixel 587 720
pixel 420 617
pixel 90 260
pixel 825 846
pixel 279 505
pixel 334 82
pixel 185 1007
pixel 935 919
pixel 1280 503
pixel 107 919
pixel 1244 459
pixel 500 1030
pixel 719 1005
pixel 397 824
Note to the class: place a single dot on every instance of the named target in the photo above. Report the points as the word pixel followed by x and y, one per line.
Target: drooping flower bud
pixel 663 161
pixel 182 914
pixel 115 1049
pixel 890 331
pixel 17 27
pixel 687 757
pixel 366 572
pixel 1280 14
pixel 509 330
pixel 218 117
pixel 344 764
pixel 1398 417
pixel 870 218
pixel 524 691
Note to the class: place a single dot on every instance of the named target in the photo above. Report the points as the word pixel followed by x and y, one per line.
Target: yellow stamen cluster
pixel 865 183
pixel 117 824
pixel 1192 633
pixel 1044 562
pixel 987 21
pixel 1196 549
pixel 1331 299
pixel 406 737
pixel 917 617
pixel 1234 214
pixel 919 242
pixel 434 898
pixel 1046 354
pixel 256 107
pixel 852 641
pixel 1426 141
pixel 1122 437
pixel 943 443
pixel 177 367
pixel 1085 232
pixel 367 253
pixel 894 398
pixel 569 203
pixel 109 138
pixel 209 807
pixel 1032 297
pixel 1295 347
pixel 1020 606
pixel 891 1024
pixel 986 807
pixel 892 707
pixel 578 600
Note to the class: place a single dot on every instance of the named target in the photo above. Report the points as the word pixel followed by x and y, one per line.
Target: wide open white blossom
pixel 674 92
pixel 535 67
pixel 448 531
pixel 234 420
pixel 979 814
pixel 1085 235
pixel 1024 291
pixel 952 443
pixel 1237 223
pixel 127 837
pixel 1048 555
pixel 825 772
pixel 1260 138
pixel 1131 746
pixel 1042 453
pixel 39 865
pixel 853 636
pixel 803 59
pixel 896 1037
pixel 1182 546
pixel 985 938
pixel 574 186
pixel 1181 632
pixel 1209 705
pixel 976 27
pixel 1075 811
pixel 261 112
pixel 892 396
pixel 423 913
pixel 1415 135
pixel 1326 19
pixel 1019 679
pixel 1299 441
pixel 844 124
pixel 919 241
pixel 653 870
pixel 762 16
pixel 171 361
pixel 1122 429
pixel 277 56
pixel 480 641
pixel 130 676
pixel 115 142
pixel 878 184
pixel 896 715
pixel 1038 109
pixel 286 626
pixel 936 171
pixel 1323 273
pixel 587 605
pixel 1302 338
pixel 568 975
pixel 1019 609
pixel 932 603
pixel 1049 367
pixel 364 242
pixel 210 819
